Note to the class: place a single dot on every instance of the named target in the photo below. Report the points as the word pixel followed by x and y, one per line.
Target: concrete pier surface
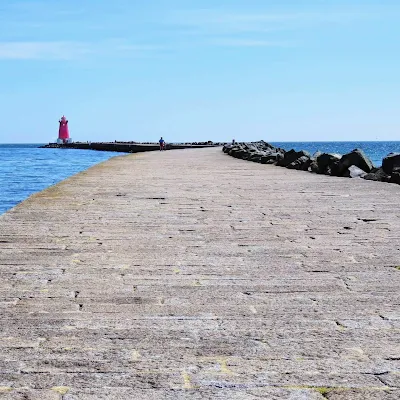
pixel 193 275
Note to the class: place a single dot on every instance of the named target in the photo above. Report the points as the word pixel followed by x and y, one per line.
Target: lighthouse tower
pixel 63 132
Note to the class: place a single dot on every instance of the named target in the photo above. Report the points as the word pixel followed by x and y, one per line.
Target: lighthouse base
pixel 63 141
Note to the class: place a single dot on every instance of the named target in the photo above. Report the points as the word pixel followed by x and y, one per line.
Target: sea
pixel 26 169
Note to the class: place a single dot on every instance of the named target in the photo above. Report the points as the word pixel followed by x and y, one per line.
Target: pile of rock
pixel 352 165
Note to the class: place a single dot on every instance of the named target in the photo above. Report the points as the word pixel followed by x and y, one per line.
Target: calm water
pixel 26 169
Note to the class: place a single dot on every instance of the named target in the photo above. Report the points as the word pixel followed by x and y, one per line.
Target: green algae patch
pixel 60 389
pixel 324 390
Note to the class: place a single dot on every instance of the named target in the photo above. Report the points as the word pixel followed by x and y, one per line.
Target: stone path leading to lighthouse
pixel 193 275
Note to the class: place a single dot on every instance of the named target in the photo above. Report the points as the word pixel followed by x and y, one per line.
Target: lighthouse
pixel 63 132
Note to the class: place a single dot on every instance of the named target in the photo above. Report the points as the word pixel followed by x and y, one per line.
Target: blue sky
pixel 287 70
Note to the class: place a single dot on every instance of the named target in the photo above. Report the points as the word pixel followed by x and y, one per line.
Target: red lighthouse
pixel 63 132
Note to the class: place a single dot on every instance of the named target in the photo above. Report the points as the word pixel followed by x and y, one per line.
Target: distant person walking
pixel 233 141
pixel 162 144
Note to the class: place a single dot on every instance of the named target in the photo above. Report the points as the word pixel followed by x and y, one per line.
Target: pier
pixel 129 147
pixel 190 274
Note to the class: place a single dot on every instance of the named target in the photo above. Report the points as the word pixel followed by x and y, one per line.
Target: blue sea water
pixel 25 169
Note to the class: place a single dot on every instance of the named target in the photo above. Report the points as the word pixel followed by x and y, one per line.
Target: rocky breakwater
pixel 351 165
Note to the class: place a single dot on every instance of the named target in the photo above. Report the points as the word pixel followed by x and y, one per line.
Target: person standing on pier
pixel 162 144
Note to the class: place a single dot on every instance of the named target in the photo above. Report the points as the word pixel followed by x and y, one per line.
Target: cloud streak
pixel 217 22
pixel 41 50
pixel 232 42
pixel 68 51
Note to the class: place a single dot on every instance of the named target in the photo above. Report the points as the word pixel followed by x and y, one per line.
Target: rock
pixel 265 145
pixel 355 158
pixel 291 156
pixel 242 154
pixel 255 157
pixel 333 169
pixel 271 157
pixel 237 152
pixel 395 178
pixel 354 172
pixel 377 174
pixel 314 165
pixel 325 161
pixel 390 162
pixel 316 155
pixel 301 163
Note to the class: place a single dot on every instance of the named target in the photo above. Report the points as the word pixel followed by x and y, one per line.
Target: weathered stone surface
pixel 377 174
pixel 325 161
pixel 271 158
pixel 291 156
pixel 354 172
pixel 357 158
pixel 255 157
pixel 191 274
pixel 390 162
pixel 301 163
pixel 314 164
pixel 395 178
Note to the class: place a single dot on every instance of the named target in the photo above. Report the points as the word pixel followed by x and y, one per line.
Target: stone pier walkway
pixel 193 275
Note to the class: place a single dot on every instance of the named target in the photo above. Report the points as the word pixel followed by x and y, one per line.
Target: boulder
pixel 271 157
pixel 255 157
pixel 395 178
pixel 326 161
pixel 233 149
pixel 355 158
pixel 291 156
pixel 244 154
pixel 333 169
pixel 265 145
pixel 301 163
pixel 377 174
pixel 314 165
pixel 354 172
pixel 237 152
pixel 390 162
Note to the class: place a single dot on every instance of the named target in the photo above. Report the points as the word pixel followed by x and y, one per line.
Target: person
pixel 162 144
pixel 233 141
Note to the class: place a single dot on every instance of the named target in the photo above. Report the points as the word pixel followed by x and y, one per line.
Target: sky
pixel 194 70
